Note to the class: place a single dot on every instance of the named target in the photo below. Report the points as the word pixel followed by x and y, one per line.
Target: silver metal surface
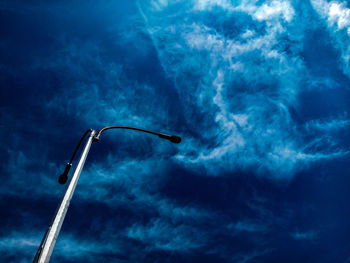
pixel 55 227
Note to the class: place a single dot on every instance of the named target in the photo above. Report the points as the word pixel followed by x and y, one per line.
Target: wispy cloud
pixel 328 125
pixel 247 87
pixel 166 236
pixel 337 13
pixel 266 11
pixel 248 227
pixel 337 16
pixel 310 235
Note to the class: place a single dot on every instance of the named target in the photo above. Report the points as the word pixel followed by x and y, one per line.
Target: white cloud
pixel 243 86
pixel 272 10
pixel 266 12
pixel 337 16
pixel 248 33
pixel 335 12
pixel 209 4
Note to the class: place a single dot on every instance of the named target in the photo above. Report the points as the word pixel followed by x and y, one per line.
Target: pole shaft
pixel 50 237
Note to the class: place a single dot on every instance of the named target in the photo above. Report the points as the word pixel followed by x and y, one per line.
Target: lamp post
pixel 47 244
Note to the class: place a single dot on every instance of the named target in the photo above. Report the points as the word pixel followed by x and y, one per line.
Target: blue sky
pixel 258 91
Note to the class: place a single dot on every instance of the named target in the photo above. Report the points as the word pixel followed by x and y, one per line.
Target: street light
pixel 47 244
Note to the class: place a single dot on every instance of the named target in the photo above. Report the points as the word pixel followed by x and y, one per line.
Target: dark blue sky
pixel 258 90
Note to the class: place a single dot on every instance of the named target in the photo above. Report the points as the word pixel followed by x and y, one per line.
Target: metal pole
pixel 48 243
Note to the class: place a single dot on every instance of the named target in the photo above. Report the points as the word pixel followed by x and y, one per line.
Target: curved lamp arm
pixel 172 138
pixel 64 176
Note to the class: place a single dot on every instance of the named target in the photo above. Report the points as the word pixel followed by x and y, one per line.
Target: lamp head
pixel 172 138
pixel 175 139
pixel 64 176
